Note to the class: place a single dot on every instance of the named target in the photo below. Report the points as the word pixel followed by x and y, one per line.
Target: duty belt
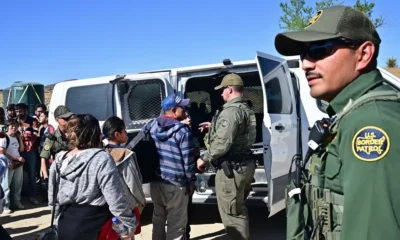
pixel 237 160
pixel 240 159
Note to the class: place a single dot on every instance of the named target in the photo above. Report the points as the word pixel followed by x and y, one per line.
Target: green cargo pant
pixel 231 196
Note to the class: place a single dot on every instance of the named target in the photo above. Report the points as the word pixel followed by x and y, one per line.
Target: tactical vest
pixel 327 206
pixel 244 138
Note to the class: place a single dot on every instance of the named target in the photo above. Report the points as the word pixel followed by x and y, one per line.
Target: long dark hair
pixel 83 132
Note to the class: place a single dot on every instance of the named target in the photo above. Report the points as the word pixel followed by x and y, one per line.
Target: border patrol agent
pixel 231 135
pixel 54 146
pixel 354 189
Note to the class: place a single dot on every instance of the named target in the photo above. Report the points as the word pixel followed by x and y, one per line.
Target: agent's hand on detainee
pixel 204 126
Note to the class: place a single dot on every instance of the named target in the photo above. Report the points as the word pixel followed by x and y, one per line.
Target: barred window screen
pixel 143 102
pixel 254 96
pixel 200 98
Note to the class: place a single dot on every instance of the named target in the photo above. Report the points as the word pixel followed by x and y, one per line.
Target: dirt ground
pixel 25 224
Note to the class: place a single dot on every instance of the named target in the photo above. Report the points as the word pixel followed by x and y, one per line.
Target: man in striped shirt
pixel 175 147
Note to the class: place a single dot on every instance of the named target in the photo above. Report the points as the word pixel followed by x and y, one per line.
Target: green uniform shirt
pixel 229 132
pixel 51 148
pixel 363 162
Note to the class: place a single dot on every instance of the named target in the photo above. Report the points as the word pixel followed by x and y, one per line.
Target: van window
pixel 92 99
pixel 253 95
pixel 142 102
pixel 279 99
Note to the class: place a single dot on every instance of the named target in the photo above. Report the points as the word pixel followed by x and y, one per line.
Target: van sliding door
pixel 279 126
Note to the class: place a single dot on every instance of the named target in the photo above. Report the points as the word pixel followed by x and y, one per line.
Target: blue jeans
pixel 12 180
pixel 30 164
pixel 4 186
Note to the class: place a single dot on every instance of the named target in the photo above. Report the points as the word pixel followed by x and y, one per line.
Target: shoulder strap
pixel 141 134
pixel 148 126
pixel 7 141
pixel 386 95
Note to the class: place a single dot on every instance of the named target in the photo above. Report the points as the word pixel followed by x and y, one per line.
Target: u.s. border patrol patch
pixel 47 147
pixel 370 144
pixel 224 123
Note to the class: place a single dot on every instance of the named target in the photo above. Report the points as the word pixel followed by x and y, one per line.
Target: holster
pixel 228 169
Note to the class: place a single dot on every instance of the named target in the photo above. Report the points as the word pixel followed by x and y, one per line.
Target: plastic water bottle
pixel 118 227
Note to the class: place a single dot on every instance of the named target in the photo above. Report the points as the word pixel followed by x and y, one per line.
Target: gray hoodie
pixel 96 183
pixel 130 175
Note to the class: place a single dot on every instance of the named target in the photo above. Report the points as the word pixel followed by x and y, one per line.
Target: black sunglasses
pixel 323 49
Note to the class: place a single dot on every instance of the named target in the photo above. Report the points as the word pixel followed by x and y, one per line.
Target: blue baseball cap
pixel 174 100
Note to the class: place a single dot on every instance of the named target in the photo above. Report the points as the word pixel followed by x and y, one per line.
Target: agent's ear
pixel 365 55
pixel 230 90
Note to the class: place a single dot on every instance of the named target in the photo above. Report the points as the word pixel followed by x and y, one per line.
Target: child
pixel 45 129
pixel 11 146
pixel 116 135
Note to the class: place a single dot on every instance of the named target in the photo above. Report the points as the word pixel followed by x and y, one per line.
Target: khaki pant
pixel 170 205
pixel 231 197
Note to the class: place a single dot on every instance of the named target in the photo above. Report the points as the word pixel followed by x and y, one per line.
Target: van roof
pixel 295 60
pixel 217 65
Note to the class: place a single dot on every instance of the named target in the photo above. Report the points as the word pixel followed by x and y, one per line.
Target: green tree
pixel 297 13
pixel 391 62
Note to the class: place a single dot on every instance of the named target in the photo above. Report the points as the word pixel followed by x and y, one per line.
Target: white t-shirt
pixel 13 148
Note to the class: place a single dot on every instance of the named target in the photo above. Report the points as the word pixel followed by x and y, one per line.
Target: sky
pixel 50 41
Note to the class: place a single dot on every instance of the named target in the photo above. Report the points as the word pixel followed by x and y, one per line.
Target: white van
pixel 270 85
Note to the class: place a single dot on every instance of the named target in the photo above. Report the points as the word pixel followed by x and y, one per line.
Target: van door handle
pixel 279 127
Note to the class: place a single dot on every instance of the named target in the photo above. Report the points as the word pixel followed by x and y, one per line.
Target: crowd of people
pixel 88 175
pixel 31 144
pixel 22 141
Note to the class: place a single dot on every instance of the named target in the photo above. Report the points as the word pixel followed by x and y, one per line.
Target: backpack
pixel 144 147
